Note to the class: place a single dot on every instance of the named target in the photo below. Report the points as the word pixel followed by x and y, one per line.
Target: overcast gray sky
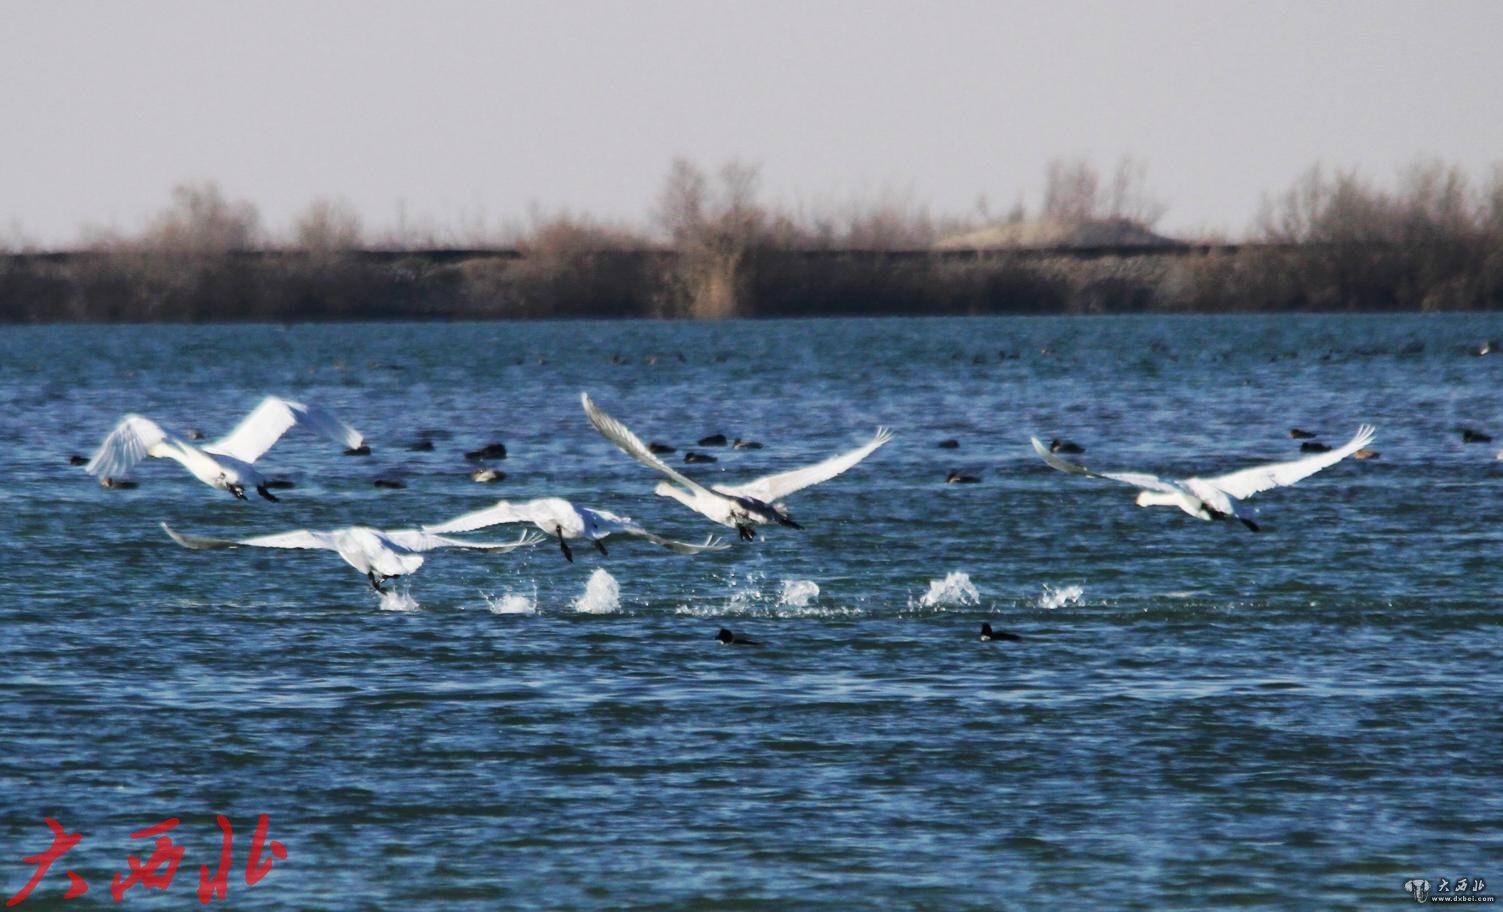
pixel 459 114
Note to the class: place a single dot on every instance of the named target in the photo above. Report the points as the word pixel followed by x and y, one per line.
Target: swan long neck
pixel 1185 502
pixel 666 489
pixel 1157 499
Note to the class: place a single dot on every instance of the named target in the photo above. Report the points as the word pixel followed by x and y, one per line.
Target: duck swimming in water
pixel 989 635
pixel 727 638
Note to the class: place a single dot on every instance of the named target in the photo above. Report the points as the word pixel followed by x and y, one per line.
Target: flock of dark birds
pixel 228 464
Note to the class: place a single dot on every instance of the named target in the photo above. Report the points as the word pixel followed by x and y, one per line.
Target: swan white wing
pixel 632 445
pixel 1140 480
pixel 1247 482
pixel 770 488
pixel 711 543
pixel 608 523
pixel 300 538
pixel 422 540
pixel 272 418
pixel 495 515
pixel 130 442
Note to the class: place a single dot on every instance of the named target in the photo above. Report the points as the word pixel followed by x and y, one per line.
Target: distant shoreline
pixel 286 286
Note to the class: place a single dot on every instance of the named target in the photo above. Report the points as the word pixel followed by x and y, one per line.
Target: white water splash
pixel 398 600
pixel 512 602
pixel 798 593
pixel 1062 597
pixel 602 594
pixel 953 591
pixel 745 594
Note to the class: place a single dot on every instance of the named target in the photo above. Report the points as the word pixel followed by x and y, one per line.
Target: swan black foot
pixel 600 546
pixel 261 489
pixel 564 547
pixel 375 583
pixel 1250 524
pixel 237 490
pixel 747 533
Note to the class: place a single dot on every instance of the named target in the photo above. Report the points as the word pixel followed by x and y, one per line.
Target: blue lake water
pixel 1197 717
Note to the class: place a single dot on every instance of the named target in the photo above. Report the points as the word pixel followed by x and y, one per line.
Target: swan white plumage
pixel 563 520
pixel 1219 497
pixel 738 506
pixel 226 463
pixel 380 555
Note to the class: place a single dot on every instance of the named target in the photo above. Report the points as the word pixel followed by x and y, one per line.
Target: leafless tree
pixel 328 226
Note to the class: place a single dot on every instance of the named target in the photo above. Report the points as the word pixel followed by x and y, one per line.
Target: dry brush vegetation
pixel 1333 241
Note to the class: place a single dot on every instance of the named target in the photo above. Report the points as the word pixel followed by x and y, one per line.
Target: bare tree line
pixel 1333 240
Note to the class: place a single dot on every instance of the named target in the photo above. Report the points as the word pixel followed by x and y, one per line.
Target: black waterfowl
pixel 662 449
pixel 124 484
pixel 363 450
pixel 727 638
pixel 712 440
pixel 1468 435
pixel 958 478
pixel 489 451
pixel 1301 433
pixel 988 634
pixel 1314 446
pixel 949 444
pixel 693 457
pixel 740 444
pixel 1366 453
pixel 77 460
pixel 1064 446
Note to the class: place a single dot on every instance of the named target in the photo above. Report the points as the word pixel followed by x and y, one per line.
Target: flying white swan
pixel 738 506
pixel 563 520
pixel 380 555
pixel 1219 497
pixel 226 463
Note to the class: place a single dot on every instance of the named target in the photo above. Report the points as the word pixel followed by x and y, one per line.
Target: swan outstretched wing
pixel 495 515
pixel 131 441
pixel 711 543
pixel 632 445
pixel 422 540
pixel 1140 480
pixel 301 539
pixel 608 523
pixel 1247 482
pixel 272 418
pixel 770 488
